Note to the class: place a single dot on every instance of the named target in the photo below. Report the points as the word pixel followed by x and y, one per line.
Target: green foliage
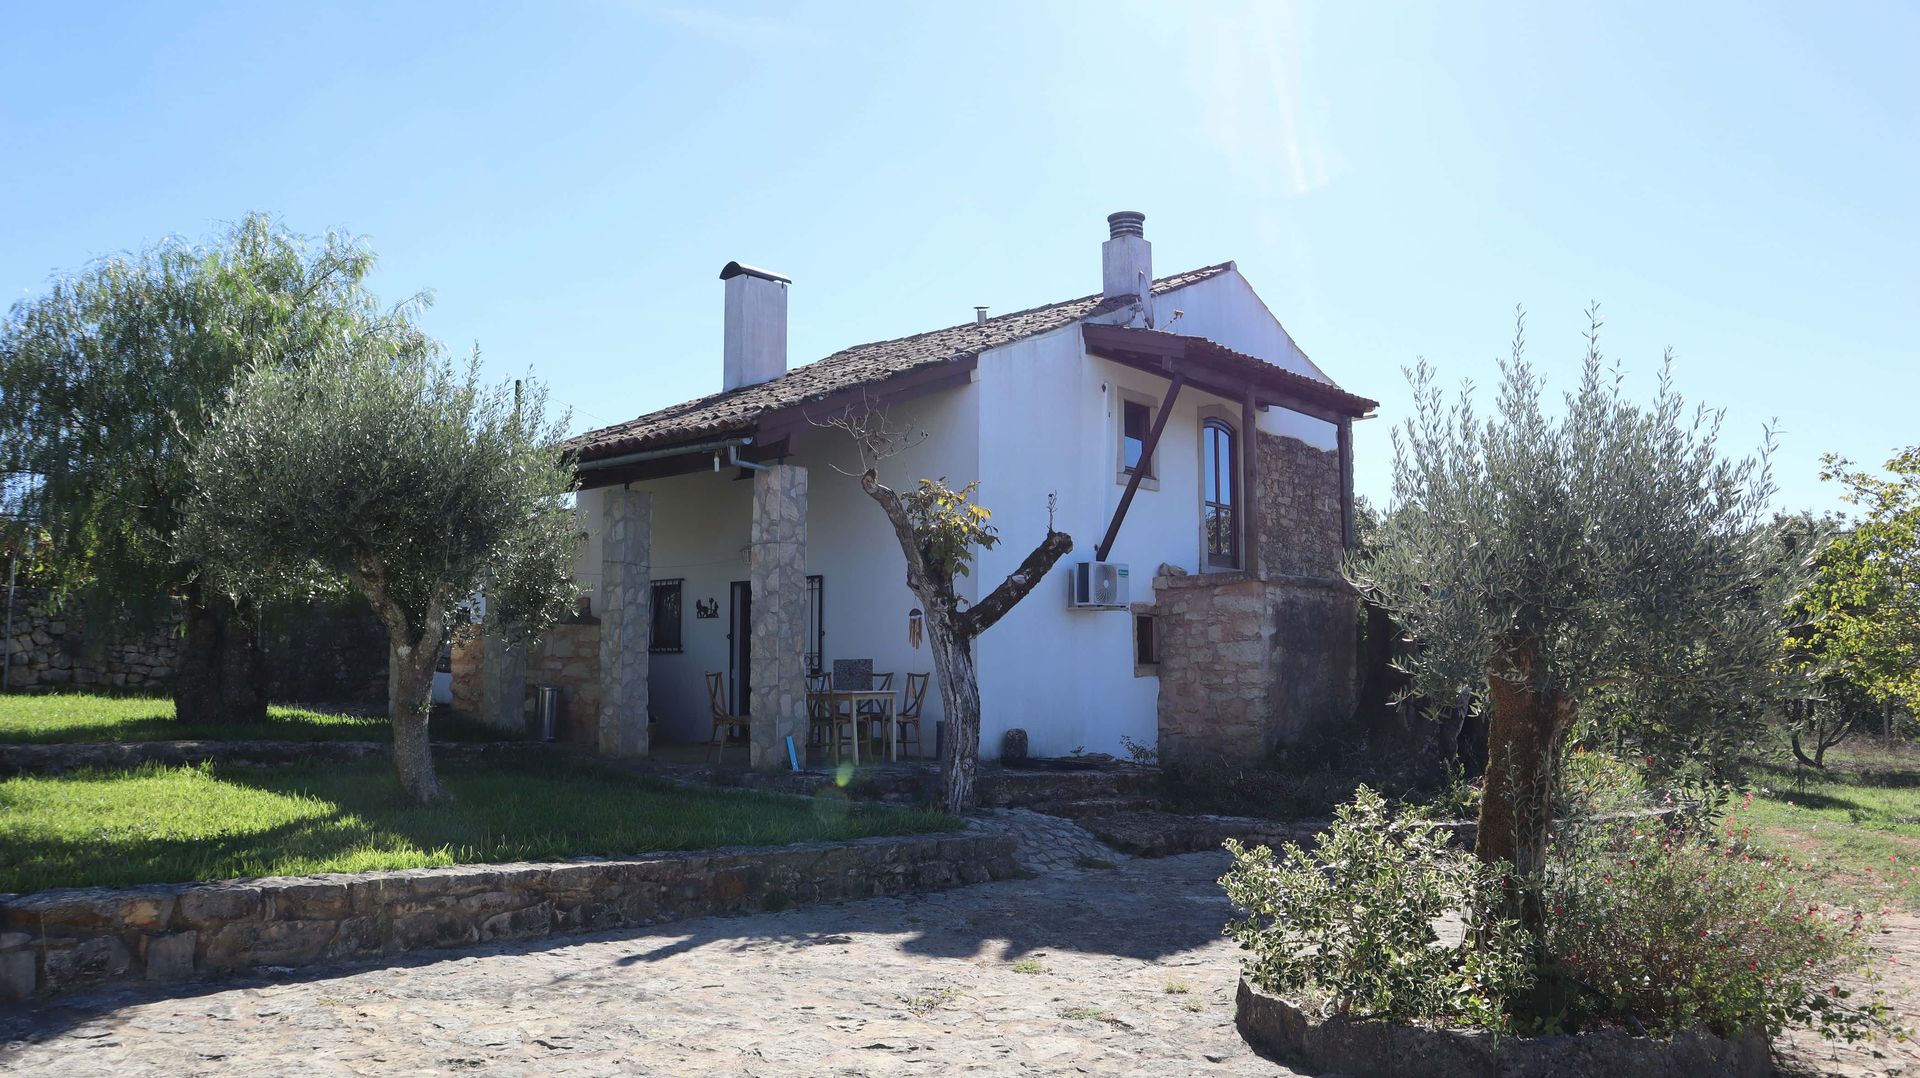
pixel 385 464
pixel 1350 925
pixel 106 380
pixel 949 525
pixel 1865 600
pixel 1610 545
pixel 1673 933
pixel 164 824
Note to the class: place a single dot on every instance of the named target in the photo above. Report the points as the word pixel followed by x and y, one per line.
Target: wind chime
pixel 915 628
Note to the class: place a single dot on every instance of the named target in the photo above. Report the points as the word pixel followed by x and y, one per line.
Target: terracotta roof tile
pixel 736 411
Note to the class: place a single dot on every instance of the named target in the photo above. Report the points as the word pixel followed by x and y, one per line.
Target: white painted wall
pixel 700 534
pixel 1040 417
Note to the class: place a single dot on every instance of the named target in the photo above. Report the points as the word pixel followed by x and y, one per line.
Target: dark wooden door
pixel 740 647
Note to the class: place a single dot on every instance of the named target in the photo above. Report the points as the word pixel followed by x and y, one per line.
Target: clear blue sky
pixel 1740 182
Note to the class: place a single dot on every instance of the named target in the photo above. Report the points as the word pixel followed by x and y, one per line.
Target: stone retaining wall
pixel 1369 1049
pixel 76 938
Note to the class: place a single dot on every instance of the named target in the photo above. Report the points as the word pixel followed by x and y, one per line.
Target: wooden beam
pixel 1252 560
pixel 1146 459
pixel 1348 531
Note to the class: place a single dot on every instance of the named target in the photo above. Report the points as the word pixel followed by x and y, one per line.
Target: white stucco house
pixel 734 520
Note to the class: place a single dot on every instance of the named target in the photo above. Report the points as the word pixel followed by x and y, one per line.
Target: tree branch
pixel 980 617
pixel 918 577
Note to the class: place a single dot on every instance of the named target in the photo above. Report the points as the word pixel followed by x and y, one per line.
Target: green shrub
pixel 1658 928
pixel 1350 926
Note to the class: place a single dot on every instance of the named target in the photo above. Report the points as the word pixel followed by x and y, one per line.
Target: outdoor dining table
pixel 853 698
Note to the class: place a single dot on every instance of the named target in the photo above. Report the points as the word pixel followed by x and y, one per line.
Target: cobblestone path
pixel 1043 843
pixel 1090 971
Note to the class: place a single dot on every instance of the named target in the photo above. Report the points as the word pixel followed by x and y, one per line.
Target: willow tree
pixel 106 380
pixel 387 466
pixel 1541 559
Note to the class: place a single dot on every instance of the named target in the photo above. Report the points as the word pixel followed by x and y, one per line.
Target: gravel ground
pixel 1096 971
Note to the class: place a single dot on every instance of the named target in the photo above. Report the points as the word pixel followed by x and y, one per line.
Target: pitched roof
pixel 736 410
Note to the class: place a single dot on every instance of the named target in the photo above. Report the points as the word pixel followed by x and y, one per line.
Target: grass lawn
pixel 63 718
pixel 169 824
pixel 1860 818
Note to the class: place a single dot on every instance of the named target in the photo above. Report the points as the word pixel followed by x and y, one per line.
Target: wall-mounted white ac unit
pixel 1097 585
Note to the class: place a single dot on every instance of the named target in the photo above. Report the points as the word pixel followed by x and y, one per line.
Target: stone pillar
pixel 777 567
pixel 626 620
pixel 503 684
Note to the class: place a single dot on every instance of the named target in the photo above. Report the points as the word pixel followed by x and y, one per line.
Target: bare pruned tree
pixel 939 529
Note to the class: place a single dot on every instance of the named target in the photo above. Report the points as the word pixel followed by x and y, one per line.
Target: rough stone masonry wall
pixel 1251 661
pixel 320 652
pixel 51 649
pixel 1299 509
pixel 569 657
pixel 68 939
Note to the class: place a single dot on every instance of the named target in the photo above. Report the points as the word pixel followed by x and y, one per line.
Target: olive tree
pixel 107 378
pixel 1539 559
pixel 387 466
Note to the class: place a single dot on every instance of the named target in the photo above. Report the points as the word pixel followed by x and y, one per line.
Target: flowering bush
pixel 1672 932
pixel 1350 925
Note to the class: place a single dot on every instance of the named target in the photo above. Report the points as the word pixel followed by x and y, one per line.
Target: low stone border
pixel 1153 833
pixel 1282 1031
pixel 73 938
pixel 115 755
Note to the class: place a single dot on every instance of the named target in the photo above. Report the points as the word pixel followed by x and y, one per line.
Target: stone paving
pixel 1090 971
pixel 1043 843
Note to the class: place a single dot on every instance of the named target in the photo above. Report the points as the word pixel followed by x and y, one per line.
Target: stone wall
pixel 569 657
pixel 1299 509
pixel 68 939
pixel 320 652
pixel 52 649
pixel 1252 660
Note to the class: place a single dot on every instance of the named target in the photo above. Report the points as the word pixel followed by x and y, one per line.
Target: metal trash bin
pixel 546 711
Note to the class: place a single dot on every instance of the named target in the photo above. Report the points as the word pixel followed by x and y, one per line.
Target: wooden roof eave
pixel 1213 368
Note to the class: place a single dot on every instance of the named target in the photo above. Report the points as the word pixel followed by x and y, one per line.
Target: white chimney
pixel 1126 260
pixel 755 348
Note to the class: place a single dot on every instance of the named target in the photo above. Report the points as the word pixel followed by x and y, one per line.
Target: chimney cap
pixel 741 269
pixel 1126 223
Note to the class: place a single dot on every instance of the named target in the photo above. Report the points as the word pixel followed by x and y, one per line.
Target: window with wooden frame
pixel 1219 481
pixel 665 638
pixel 1136 422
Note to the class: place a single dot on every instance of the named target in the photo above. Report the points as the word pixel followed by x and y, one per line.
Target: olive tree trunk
pixel 221 675
pixel 411 652
pixel 409 706
pixel 1525 734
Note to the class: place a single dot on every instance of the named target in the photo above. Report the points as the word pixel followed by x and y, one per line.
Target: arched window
pixel 1218 480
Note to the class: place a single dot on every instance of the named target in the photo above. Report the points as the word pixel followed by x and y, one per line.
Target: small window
pixel 665 639
pixel 1136 421
pixel 1146 643
pixel 1219 474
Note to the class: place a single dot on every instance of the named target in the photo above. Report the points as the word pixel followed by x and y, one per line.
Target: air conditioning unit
pixel 1097 585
